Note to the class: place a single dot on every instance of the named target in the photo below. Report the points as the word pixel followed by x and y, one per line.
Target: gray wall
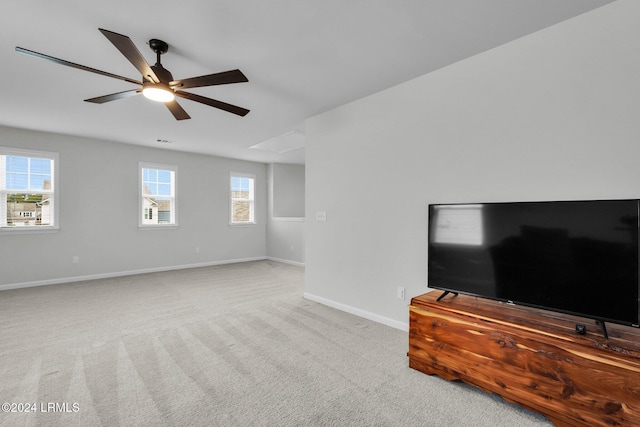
pixel 285 222
pixel 98 185
pixel 554 115
pixel 288 190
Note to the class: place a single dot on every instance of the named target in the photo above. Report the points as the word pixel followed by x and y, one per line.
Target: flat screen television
pixel 575 257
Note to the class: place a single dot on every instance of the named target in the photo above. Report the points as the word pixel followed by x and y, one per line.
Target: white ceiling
pixel 302 57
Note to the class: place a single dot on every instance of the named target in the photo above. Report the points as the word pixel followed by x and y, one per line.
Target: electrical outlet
pixel 75 259
pixel 197 249
pixel 400 293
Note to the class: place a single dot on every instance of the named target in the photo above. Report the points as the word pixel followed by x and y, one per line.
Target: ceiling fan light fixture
pixel 157 82
pixel 158 92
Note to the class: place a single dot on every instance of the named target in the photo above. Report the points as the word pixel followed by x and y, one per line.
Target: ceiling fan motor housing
pixel 162 73
pixel 160 48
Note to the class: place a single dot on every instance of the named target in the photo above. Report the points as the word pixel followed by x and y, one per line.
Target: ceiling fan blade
pixel 177 110
pixel 213 103
pixel 226 77
pixel 114 96
pixel 131 52
pixel 74 65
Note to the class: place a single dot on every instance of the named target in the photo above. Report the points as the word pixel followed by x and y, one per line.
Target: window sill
pixel 158 227
pixel 28 230
pixel 244 224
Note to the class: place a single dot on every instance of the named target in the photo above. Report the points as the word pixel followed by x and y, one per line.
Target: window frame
pixel 141 196
pixel 54 198
pixel 252 201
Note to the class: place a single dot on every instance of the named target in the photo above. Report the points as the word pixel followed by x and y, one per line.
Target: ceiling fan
pixel 157 82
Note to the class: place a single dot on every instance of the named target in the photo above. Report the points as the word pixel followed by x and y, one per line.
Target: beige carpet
pixel 232 345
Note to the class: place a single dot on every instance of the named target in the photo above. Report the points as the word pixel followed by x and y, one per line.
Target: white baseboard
pixel 286 261
pixel 358 312
pixel 124 273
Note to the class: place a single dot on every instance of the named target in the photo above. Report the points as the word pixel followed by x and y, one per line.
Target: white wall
pixel 98 185
pixel 285 222
pixel 554 115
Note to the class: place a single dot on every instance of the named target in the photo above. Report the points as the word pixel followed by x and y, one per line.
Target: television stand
pixel 530 356
pixel 603 327
pixel 445 293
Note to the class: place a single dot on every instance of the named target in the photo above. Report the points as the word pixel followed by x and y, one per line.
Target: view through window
pixel 158 198
pixel 242 199
pixel 27 196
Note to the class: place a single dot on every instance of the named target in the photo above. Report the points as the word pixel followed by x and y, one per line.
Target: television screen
pixel 578 257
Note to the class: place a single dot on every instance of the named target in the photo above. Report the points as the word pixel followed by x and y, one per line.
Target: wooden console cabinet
pixel 531 357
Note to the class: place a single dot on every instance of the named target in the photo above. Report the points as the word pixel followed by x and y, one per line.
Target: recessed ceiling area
pixel 301 58
pixel 292 140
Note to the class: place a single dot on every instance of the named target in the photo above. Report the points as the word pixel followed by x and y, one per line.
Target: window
pixel 28 190
pixel 242 198
pixel 157 195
